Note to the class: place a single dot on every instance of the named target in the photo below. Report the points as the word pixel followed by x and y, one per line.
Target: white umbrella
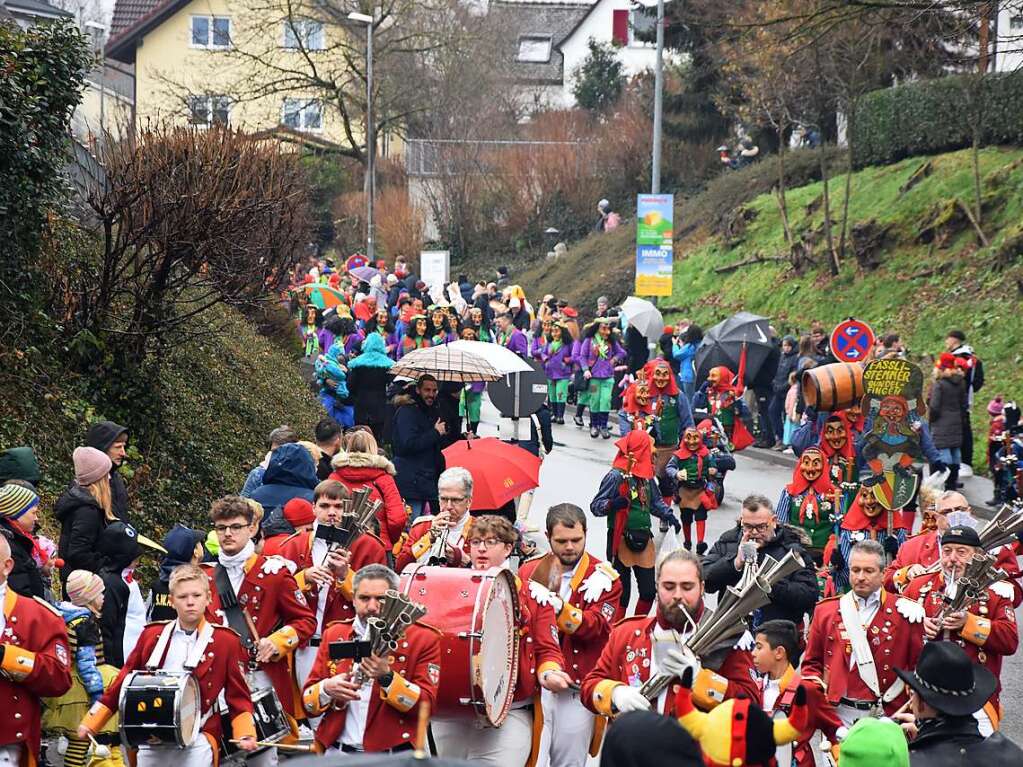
pixel 645 317
pixel 445 364
pixel 502 358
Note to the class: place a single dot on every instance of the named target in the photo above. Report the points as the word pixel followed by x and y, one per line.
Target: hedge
pixel 932 116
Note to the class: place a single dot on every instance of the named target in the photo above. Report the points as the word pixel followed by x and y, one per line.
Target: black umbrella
pixel 404 759
pixel 722 345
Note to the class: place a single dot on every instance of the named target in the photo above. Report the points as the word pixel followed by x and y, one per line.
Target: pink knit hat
pixel 83 587
pixel 91 465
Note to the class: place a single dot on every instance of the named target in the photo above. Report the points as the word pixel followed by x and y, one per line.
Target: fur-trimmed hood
pixel 343 460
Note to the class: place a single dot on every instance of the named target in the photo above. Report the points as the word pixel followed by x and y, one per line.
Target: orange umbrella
pixel 500 472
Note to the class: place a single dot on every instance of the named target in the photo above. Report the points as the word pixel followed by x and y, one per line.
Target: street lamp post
pixel 363 18
pixel 655 173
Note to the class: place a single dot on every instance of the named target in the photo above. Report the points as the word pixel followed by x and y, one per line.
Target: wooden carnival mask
pixel 811 465
pixel 868 503
pixel 835 433
pixel 661 376
pixel 692 439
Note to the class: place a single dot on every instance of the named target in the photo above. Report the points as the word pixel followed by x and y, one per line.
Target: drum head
pixel 189 711
pixel 497 659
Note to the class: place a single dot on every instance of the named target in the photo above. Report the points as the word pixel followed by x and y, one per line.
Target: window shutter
pixel 620 26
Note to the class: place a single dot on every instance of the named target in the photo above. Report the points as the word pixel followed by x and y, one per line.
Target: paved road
pixel 574 469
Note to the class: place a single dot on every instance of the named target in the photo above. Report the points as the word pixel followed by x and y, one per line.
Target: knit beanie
pixel 16 500
pixel 91 465
pixel 298 512
pixel 872 742
pixel 83 587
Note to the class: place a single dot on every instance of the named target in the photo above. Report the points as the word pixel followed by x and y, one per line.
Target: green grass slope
pixel 219 398
pixel 929 273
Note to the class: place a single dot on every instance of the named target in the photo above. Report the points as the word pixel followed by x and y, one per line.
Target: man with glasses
pixel 490 543
pixel 453 524
pixel 258 598
pixel 755 536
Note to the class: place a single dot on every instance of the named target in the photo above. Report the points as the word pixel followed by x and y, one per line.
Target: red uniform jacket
pixel 418 543
pixel 35 665
pixel 823 716
pixel 391 720
pixel 587 616
pixel 923 549
pixel 367 550
pixel 222 669
pixel 539 648
pixel 990 631
pixel 626 659
pixel 895 642
pixel 279 611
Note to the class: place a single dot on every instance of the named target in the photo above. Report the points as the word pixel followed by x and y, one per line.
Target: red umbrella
pixel 500 472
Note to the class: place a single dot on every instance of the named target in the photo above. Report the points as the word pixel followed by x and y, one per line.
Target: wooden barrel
pixel 833 387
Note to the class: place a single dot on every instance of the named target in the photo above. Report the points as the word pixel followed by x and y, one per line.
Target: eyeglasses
pixel 763 527
pixel 452 498
pixel 232 528
pixel 953 508
pixel 486 543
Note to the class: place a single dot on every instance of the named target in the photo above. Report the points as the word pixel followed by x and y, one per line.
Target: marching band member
pixel 921 551
pixel 777 643
pixel 540 661
pixel 633 653
pixel 454 489
pixel 324 573
pixel 380 715
pixel 215 657
pixel 987 630
pixel 857 640
pixel 34 663
pixel 584 593
pixel 258 598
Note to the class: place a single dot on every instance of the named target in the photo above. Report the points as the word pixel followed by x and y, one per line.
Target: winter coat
pixel 81 522
pixel 790 597
pixel 685 356
pixel 946 405
pixel 25 577
pixel 356 470
pixel 417 447
pixel 101 436
pixel 116 551
pixel 786 365
pixel 956 742
pixel 367 387
pixel 291 473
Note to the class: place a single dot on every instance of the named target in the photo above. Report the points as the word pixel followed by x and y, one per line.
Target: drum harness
pixel 193 659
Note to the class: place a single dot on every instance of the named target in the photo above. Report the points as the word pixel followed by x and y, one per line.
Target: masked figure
pixel 722 400
pixel 839 449
pixel 808 501
pixel 637 410
pixel 689 470
pixel 865 519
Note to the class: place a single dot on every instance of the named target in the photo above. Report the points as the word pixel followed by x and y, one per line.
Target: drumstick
pixel 285 746
pixel 421 726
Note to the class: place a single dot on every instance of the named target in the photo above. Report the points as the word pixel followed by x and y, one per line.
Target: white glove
pixel 627 698
pixel 676 662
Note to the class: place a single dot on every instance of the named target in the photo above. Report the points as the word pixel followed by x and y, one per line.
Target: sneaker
pixel 578 420
pixel 780 448
pixel 605 433
pixel 664 526
pixel 594 432
pixel 993 503
pixel 789 451
pixel 688 545
pixel 701 548
pixel 965 470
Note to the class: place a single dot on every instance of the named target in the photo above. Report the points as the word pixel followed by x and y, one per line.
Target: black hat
pixel 946 679
pixel 646 739
pixel 961 534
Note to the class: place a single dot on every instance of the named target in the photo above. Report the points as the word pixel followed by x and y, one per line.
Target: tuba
pixel 385 630
pixel 729 621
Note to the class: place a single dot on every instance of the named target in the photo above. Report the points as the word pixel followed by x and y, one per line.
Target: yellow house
pixel 235 61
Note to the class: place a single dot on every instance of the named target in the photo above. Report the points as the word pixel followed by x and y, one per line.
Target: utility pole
pixel 371 153
pixel 655 173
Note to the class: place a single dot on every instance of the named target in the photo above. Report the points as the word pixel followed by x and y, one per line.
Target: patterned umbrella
pixel 364 273
pixel 323 296
pixel 445 364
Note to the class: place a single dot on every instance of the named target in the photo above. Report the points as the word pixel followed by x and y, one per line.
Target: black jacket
pixel 81 522
pixel 25 578
pixel 367 389
pixel 945 410
pixel 116 551
pixel 790 598
pixel 955 742
pixel 101 435
pixel 786 365
pixel 417 448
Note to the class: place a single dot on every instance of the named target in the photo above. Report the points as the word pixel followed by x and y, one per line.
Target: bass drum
pixel 159 708
pixel 476 612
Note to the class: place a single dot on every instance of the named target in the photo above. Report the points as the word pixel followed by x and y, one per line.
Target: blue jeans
pixel 951 456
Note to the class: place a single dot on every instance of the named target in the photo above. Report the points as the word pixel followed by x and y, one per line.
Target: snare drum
pixel 159 708
pixel 475 611
pixel 271 723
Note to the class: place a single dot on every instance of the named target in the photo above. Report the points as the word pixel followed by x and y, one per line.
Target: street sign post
pixel 519 395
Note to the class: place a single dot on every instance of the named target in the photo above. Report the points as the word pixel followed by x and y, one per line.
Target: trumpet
pixel 979 574
pixel 439 549
pixel 386 630
pixel 726 624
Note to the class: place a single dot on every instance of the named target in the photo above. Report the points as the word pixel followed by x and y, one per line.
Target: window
pixel 205 111
pixel 642 27
pixel 302 114
pixel 303 33
pixel 1016 22
pixel 211 32
pixel 535 49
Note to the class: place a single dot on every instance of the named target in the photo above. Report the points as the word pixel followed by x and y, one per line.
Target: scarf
pixel 602 347
pixel 634 454
pixel 684 453
pixel 855 519
pixel 235 563
pixel 40 556
pixel 822 486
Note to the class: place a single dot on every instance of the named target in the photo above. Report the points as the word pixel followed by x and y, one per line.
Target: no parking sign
pixel 851 341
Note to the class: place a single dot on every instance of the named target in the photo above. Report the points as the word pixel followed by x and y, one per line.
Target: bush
pixel 933 116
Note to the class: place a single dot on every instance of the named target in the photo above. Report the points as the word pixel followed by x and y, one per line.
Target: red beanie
pixel 298 512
